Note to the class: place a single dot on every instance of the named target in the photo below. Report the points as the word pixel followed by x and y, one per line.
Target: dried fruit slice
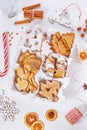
pixel 37 125
pixel 83 55
pixel 30 118
pixel 51 115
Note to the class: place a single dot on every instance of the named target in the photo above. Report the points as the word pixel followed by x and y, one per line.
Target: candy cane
pixel 5 47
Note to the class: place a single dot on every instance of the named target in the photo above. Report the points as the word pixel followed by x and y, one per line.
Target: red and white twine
pixel 5 47
pixel 77 6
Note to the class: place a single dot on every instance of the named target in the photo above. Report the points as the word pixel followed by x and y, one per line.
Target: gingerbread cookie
pixel 49 89
pixel 55 66
pixel 29 65
pixel 62 44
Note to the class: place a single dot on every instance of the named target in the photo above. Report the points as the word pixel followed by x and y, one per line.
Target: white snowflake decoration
pixel 7 107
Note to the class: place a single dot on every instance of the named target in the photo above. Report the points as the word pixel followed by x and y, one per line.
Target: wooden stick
pixel 23 21
pixel 31 7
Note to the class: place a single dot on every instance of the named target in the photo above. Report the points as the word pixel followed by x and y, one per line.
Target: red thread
pixel 77 8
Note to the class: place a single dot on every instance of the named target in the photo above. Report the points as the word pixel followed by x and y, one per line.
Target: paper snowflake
pixel 7 108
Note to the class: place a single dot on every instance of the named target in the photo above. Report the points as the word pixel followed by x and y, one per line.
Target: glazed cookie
pixel 55 66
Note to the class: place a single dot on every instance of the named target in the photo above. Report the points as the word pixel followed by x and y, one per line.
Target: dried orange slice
pixel 83 55
pixel 37 125
pixel 51 115
pixel 30 118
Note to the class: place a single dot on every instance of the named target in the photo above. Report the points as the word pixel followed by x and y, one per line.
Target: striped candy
pixel 5 47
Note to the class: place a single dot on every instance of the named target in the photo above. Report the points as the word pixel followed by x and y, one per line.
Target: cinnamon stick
pixel 28 14
pixel 28 11
pixel 23 21
pixel 31 7
pixel 38 14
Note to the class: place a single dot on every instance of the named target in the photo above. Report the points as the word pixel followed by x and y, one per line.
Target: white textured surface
pixel 77 71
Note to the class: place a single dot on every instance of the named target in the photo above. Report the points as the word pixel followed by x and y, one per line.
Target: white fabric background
pixel 24 103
